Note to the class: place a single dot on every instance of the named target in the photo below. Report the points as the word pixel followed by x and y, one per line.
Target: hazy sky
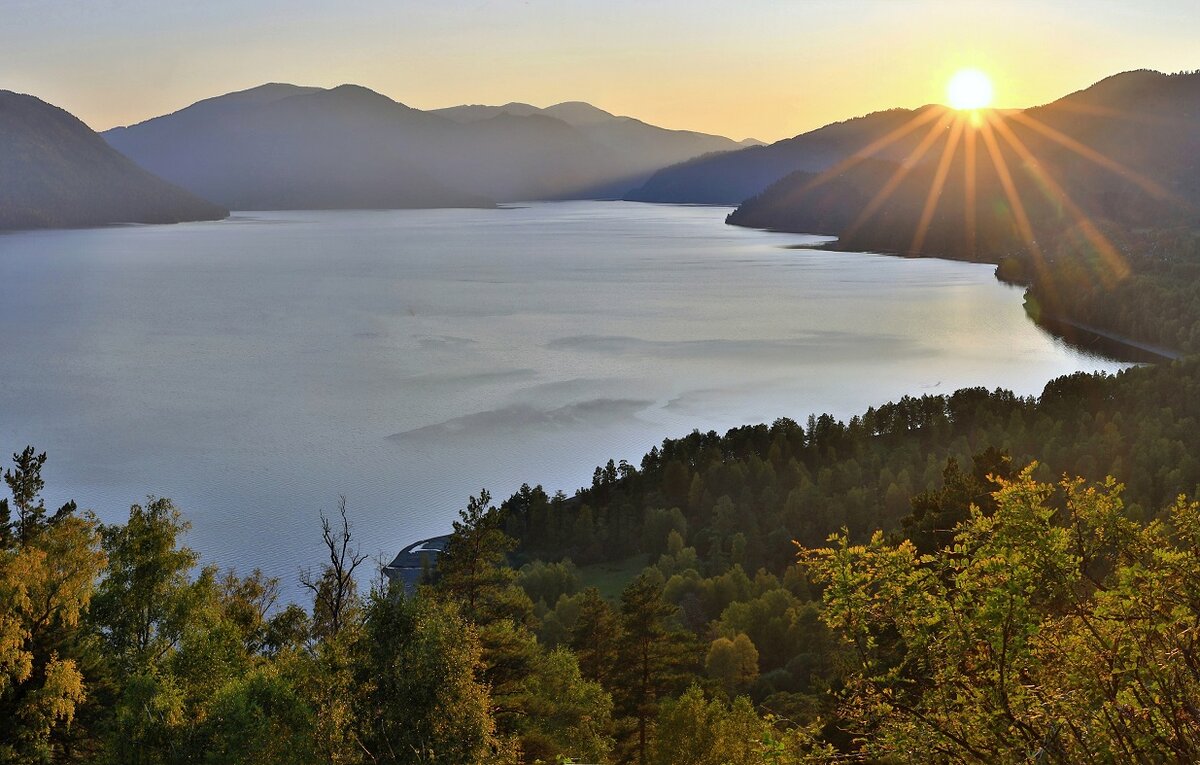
pixel 739 68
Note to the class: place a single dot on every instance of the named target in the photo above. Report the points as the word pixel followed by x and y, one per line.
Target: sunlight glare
pixel 969 89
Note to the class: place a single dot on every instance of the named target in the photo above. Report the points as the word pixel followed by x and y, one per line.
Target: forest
pixel 926 580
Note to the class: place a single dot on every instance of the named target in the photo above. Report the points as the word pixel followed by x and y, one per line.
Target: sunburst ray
pixel 939 180
pixel 1017 208
pixel 1115 266
pixel 1091 154
pixel 911 161
pixel 969 187
pixel 871 149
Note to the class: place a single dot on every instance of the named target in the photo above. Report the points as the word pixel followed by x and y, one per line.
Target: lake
pixel 257 368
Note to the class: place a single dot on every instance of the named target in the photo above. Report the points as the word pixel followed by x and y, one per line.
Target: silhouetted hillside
pixel 479 112
pixel 511 157
pixel 1145 121
pixel 735 176
pixel 629 149
pixel 56 172
pixel 281 146
pixel 1121 154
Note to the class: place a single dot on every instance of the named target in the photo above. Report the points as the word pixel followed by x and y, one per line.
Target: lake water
pixel 257 368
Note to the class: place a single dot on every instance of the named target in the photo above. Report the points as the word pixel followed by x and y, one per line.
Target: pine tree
pixel 651 655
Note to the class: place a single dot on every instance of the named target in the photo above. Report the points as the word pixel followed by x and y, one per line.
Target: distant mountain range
pixel 638 148
pixel 283 146
pixel 56 172
pixel 1125 151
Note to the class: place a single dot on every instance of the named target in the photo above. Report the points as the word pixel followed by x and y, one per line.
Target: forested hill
pixel 57 172
pixel 1121 154
pixel 1092 201
pixel 716 520
pixel 1141 118
pixel 662 615
pixel 744 496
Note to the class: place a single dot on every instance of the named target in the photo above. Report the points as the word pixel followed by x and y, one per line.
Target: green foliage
pixel 422 700
pixel 149 721
pixel 610 577
pixel 258 719
pixel 327 678
pixel 473 569
pixel 546 582
pixel 246 602
pixel 692 730
pixel 287 631
pixel 142 605
pixel 652 655
pixel 596 638
pixel 563 715
pixel 1055 629
pixel 733 663
pixel 935 513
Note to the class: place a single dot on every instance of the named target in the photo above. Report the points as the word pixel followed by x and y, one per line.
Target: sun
pixel 969 89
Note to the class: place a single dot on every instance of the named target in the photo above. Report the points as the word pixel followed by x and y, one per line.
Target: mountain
pixel 56 172
pixel 1123 154
pixel 480 112
pixel 729 178
pixel 286 147
pixel 281 146
pixel 1146 121
pixel 632 149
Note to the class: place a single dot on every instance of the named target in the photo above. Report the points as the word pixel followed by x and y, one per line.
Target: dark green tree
pixel 652 653
pixel 597 638
pixel 25 484
pixel 936 512
pixel 474 568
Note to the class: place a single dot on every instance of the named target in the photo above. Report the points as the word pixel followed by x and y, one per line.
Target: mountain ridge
pixel 59 173
pixel 1121 154
pixel 735 176
pixel 279 145
pixel 307 148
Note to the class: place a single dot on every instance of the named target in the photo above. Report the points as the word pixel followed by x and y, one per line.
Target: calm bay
pixel 257 368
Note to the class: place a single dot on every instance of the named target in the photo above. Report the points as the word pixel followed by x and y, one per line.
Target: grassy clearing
pixel 611 577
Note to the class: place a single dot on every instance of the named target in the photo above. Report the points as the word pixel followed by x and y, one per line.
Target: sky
pixel 744 68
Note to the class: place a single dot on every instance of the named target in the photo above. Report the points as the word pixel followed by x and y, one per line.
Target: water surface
pixel 254 369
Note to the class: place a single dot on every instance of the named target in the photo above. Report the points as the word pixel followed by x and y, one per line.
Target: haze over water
pixel 256 368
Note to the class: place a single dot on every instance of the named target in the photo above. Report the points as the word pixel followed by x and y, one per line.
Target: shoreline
pixel 1085 337
pixel 415 561
pixel 1088 337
